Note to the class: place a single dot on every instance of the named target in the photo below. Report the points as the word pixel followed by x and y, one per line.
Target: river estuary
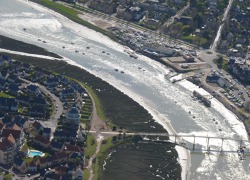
pixel 143 80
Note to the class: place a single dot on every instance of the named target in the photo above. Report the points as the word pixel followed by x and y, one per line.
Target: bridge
pixel 195 143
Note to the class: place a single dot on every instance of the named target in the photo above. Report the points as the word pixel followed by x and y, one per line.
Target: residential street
pixel 57 112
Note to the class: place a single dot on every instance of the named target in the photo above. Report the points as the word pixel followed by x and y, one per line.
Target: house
pixel 73 116
pixel 81 136
pixel 51 81
pixel 41 141
pixel 2 61
pixel 20 165
pixel 8 104
pixel 37 111
pixel 46 133
pixel 38 101
pixel 37 127
pixel 61 170
pixel 32 166
pixel 26 66
pixel 7 119
pixel 61 157
pixel 3 84
pixel 17 134
pixel 136 12
pixel 12 78
pixel 52 176
pixel 76 157
pixel 78 174
pixel 56 146
pixel 65 135
pixel 41 163
pixel 13 89
pixel 33 89
pixel 68 92
pixel 4 74
pixel 68 148
pixel 23 99
pixel 50 160
pixel 64 80
pixel 8 150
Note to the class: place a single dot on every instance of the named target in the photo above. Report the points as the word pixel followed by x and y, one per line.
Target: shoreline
pixel 166 125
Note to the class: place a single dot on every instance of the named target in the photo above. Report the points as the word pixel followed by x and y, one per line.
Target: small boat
pixel 63 47
pixel 76 51
pixel 83 53
pixel 107 53
pixel 88 47
pixel 39 39
pixel 122 72
pixel 44 41
pixel 139 67
pixel 133 56
pixel 189 112
pixel 116 70
pixel 72 43
pixel 103 52
pixel 24 29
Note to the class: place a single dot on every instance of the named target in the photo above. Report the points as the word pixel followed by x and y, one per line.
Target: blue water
pixel 35 153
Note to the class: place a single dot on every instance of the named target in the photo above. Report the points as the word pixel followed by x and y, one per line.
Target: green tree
pixel 186 30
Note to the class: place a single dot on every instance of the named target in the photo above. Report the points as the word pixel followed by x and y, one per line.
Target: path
pixel 225 16
pixel 177 15
pixel 89 167
pixel 97 126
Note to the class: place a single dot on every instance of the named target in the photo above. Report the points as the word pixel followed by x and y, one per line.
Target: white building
pixel 73 116
pixel 8 150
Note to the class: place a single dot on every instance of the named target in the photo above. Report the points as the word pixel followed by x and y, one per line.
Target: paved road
pixel 225 16
pixel 177 15
pixel 52 122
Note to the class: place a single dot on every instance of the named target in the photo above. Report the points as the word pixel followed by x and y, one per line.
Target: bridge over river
pixel 196 143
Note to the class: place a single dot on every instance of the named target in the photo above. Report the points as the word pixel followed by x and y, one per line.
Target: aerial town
pixel 48 120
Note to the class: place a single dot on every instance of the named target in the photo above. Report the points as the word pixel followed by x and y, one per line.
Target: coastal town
pixel 41 131
pixel 48 120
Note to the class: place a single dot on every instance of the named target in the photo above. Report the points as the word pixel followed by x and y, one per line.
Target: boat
pixel 24 29
pixel 76 51
pixel 44 41
pixel 122 72
pixel 88 47
pixel 202 98
pixel 103 52
pixel 116 69
pixel 133 55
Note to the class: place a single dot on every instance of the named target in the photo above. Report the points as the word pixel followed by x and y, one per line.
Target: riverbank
pixel 15 45
pixel 127 111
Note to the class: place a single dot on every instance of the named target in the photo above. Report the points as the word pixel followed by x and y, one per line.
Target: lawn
pixel 91 146
pixel 222 65
pixel 86 174
pixel 5 95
